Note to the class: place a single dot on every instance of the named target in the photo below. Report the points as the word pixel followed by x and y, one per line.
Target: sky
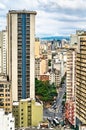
pixel 54 17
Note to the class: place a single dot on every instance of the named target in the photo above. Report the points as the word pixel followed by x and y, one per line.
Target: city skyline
pixel 54 17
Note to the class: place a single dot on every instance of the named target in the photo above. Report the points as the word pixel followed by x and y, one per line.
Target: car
pixel 55 122
pixel 56 118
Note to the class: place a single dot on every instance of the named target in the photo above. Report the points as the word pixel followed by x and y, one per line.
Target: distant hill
pixel 55 38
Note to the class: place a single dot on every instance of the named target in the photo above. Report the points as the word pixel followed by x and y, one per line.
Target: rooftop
pixel 22 11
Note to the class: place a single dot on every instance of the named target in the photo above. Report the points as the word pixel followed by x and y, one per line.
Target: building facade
pixel 27 112
pixel 7 121
pixel 37 68
pixel 81 80
pixel 20 56
pixel 5 94
pixel 0 60
pixel 70 107
pixel 54 77
pixel 37 48
pixel 41 67
pixel 44 77
pixel 3 52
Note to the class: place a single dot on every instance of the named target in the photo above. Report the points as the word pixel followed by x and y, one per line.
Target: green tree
pixel 45 90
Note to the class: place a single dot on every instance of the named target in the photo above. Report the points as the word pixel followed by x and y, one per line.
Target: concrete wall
pixel 14 58
pixel 32 56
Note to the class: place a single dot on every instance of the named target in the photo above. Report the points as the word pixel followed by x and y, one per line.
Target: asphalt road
pixel 56 109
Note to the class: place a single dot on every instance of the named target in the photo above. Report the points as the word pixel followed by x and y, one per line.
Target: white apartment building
pixel 3 51
pixel 7 121
pixel 70 80
pixel 0 51
pixel 54 77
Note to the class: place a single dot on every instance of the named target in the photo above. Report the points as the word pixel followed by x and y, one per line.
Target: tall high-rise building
pixel 81 80
pixel 21 62
pixel 70 87
pixel 0 51
pixel 3 52
pixel 0 59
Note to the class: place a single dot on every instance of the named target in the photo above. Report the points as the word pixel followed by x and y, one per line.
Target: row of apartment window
pixel 80 102
pixel 81 83
pixel 4 90
pixel 20 16
pixel 4 86
pixel 82 113
pixel 4 104
pixel 82 42
pixel 80 77
pixel 4 95
pixel 80 97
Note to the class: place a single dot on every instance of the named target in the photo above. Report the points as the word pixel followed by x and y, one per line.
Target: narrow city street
pixel 55 111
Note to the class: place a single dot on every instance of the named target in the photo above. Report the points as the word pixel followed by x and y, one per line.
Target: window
pixel 21 109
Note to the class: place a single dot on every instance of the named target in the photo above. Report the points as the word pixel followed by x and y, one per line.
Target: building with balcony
pixel 70 112
pixel 81 79
pixel 5 94
pixel 3 52
pixel 27 112
pixel 70 87
pixel 37 68
pixel 0 59
pixel 20 53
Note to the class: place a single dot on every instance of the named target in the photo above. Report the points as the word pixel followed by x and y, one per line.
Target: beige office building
pixel 41 67
pixel 20 57
pixel 37 48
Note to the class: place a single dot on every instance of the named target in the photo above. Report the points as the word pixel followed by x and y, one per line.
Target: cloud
pixel 2 6
pixel 60 17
